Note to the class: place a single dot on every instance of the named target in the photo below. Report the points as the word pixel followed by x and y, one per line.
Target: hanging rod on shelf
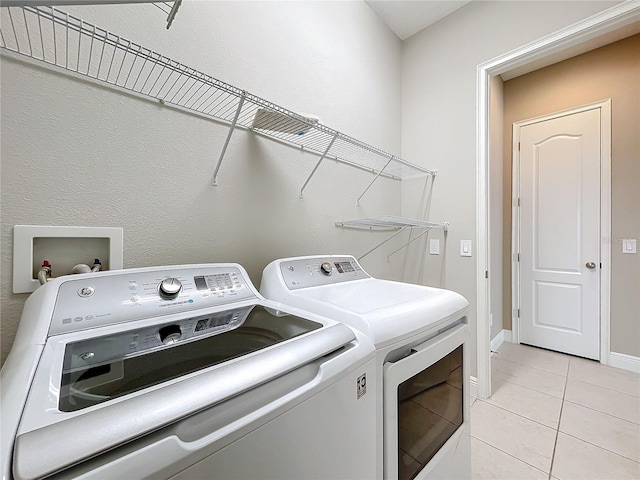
pixel 62 41
pixel 392 222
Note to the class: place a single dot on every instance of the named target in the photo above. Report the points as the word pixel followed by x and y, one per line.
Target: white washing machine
pixel 422 362
pixel 182 372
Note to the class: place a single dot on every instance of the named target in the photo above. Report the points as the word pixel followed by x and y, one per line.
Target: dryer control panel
pixel 316 271
pixel 113 297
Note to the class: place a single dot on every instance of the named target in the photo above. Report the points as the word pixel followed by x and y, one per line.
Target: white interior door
pixel 559 285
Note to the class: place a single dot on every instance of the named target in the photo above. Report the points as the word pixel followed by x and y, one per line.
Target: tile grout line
pixel 509 454
pixel 607 388
pixel 510 380
pixel 600 412
pixel 529 388
pixel 555 443
pixel 517 414
pixel 600 447
pixel 531 366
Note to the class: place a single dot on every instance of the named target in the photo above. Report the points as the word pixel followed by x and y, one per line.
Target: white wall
pixel 76 153
pixel 439 109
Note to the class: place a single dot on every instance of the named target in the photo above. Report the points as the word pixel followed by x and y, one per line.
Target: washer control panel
pixel 113 297
pixel 317 271
pixel 100 350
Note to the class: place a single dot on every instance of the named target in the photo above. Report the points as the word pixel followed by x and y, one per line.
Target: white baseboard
pixel 626 362
pixel 473 386
pixel 617 360
pixel 497 341
pixel 500 338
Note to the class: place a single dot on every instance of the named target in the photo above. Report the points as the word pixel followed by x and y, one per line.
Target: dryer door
pixel 425 404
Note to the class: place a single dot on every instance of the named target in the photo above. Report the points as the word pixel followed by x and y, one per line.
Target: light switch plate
pixel 434 246
pixel 629 245
pixel 465 248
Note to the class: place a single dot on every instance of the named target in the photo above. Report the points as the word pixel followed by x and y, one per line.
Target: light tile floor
pixel 554 416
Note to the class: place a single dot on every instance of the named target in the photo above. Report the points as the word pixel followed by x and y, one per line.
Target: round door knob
pixel 591 265
pixel 326 268
pixel 169 288
pixel 170 334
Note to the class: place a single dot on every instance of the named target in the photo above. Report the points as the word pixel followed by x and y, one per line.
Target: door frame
pixel 605 219
pixel 607 21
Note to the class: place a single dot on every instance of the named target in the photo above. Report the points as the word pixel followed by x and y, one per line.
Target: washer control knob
pixel 169 288
pixel 170 334
pixel 326 268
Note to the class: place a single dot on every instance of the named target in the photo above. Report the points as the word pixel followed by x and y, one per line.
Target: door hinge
pixel 518 257
pixel 518 313
pixel 518 201
pixel 518 146
pixel 486 274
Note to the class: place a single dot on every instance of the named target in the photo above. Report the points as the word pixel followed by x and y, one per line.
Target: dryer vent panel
pixel 63 248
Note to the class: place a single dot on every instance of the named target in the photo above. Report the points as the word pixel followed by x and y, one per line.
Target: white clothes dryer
pixel 182 372
pixel 422 362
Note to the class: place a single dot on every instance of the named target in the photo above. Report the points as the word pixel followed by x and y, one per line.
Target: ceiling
pixel 407 17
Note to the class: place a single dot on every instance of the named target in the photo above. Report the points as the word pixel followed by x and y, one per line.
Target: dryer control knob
pixel 169 288
pixel 170 334
pixel 326 268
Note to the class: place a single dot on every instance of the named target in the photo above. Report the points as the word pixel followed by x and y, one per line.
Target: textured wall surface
pixel 77 153
pixel 612 71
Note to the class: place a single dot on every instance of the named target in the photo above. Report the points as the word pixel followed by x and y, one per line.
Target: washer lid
pixel 99 369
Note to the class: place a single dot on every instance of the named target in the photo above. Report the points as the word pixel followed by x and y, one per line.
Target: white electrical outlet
pixel 434 246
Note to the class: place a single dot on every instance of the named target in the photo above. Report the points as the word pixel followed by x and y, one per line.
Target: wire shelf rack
pixel 392 222
pixel 169 8
pixel 63 41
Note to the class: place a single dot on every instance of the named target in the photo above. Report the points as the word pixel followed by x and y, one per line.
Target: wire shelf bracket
pixel 374 179
pixel 214 178
pixel 48 36
pixel 317 165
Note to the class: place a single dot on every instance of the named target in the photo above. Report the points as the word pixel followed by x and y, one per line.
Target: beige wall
pixel 612 72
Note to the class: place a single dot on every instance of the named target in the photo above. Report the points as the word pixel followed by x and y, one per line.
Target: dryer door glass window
pixel 430 410
pixel 82 387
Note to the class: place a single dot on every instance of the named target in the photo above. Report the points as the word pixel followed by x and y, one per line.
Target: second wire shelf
pixel 392 222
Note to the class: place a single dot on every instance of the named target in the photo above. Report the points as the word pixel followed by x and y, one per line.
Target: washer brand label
pixel 362 385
